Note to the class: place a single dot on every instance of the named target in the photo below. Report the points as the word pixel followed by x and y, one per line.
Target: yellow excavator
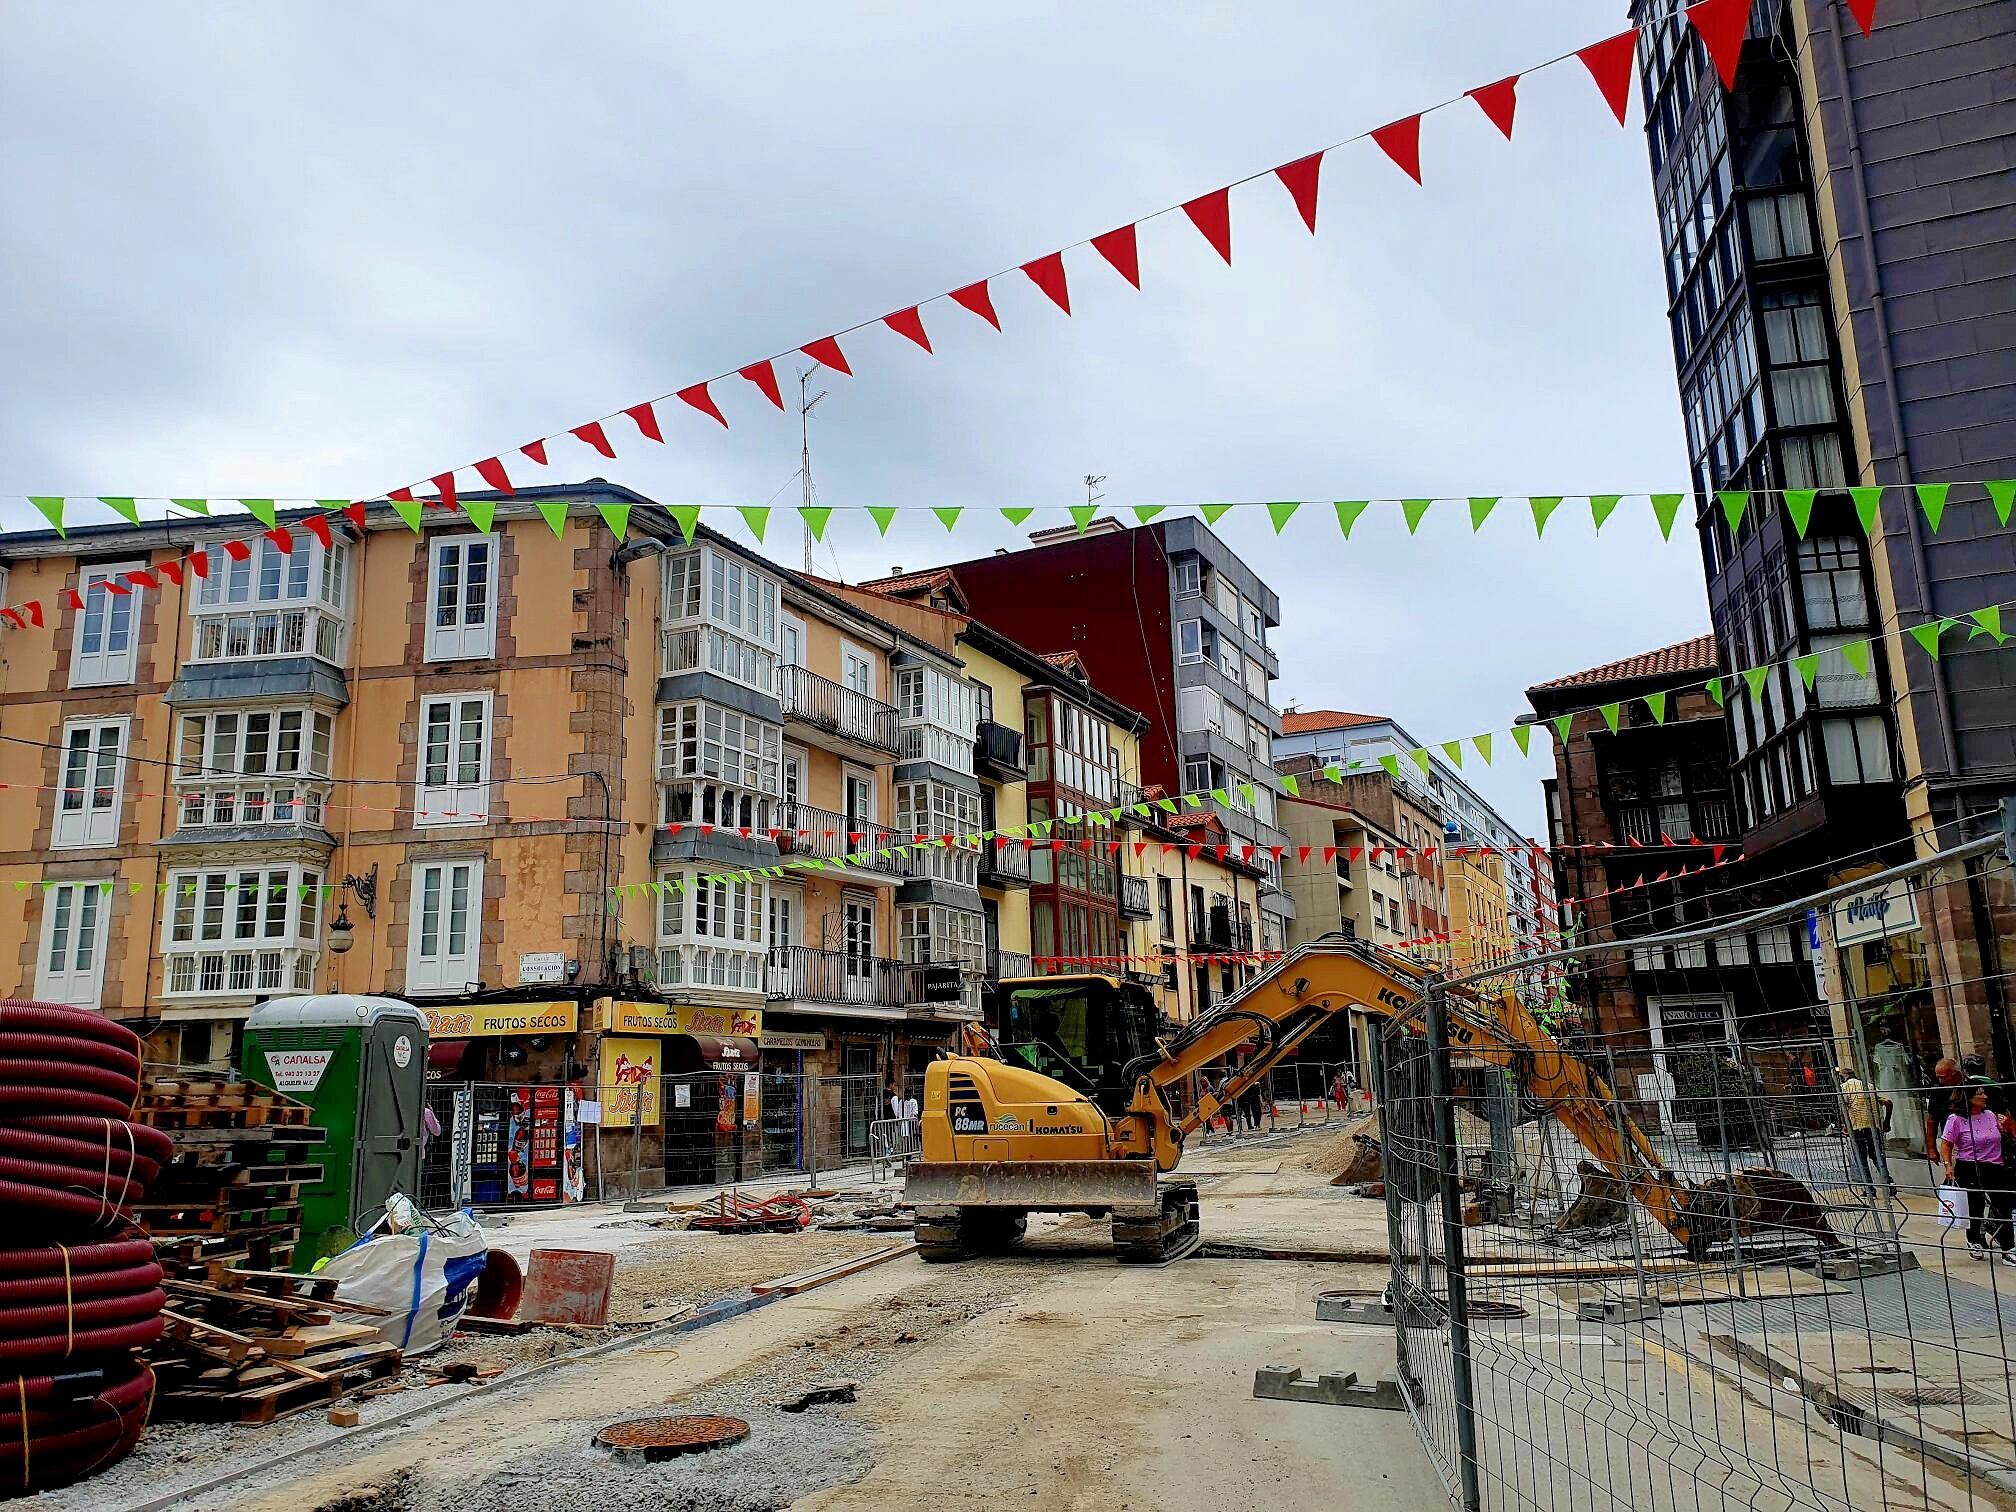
pixel 1076 1115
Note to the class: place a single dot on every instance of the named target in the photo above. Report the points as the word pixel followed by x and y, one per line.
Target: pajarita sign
pixel 684 1018
pixel 486 1020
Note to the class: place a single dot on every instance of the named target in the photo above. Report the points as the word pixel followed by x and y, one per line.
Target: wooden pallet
pixel 176 1219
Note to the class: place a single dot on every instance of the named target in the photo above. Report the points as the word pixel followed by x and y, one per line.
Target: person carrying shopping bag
pixel 1970 1150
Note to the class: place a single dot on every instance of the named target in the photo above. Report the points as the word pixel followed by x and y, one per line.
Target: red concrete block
pixel 568 1286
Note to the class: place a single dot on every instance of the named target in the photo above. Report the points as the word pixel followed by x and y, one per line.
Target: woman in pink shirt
pixel 1970 1148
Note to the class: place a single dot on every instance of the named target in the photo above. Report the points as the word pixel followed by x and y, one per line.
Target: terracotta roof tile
pixel 1304 721
pixel 1683 657
pixel 909 582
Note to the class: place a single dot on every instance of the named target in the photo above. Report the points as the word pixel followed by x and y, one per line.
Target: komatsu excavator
pixel 1002 1140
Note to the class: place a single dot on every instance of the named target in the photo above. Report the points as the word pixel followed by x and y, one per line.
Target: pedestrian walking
pixel 912 1127
pixel 1970 1149
pixel 1250 1103
pixel 1868 1117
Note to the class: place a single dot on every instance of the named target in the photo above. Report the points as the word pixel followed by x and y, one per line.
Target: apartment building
pixel 1385 878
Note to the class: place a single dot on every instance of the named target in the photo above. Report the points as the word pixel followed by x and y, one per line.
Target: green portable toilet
pixel 361 1064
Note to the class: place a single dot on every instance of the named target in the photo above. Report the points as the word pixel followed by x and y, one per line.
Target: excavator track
pixel 946 1235
pixel 1170 1235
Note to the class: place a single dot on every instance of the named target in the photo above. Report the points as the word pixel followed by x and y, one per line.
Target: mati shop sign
pixel 1874 914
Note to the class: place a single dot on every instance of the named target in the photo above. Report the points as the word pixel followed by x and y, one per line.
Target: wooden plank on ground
pixel 790 1286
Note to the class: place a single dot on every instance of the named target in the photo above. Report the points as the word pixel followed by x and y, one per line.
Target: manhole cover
pixel 661 1438
pixel 1487 1310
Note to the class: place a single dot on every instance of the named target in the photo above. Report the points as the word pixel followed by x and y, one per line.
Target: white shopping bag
pixel 1952 1207
pixel 420 1268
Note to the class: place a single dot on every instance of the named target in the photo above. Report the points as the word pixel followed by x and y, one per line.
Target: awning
pixel 729 1049
pixel 446 1055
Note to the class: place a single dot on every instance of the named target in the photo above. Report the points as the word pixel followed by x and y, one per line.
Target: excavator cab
pixel 1082 1030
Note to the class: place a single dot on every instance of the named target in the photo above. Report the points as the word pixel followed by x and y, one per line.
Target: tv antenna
pixel 1092 482
pixel 805 407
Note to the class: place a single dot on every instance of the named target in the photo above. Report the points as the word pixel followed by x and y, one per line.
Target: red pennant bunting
pixel 318 527
pixel 1299 178
pixel 975 297
pixel 238 551
pixel 1609 64
pixel 1864 12
pixel 1498 102
pixel 1211 214
pixel 909 323
pixel 140 577
pixel 402 495
pixel 34 608
pixel 826 352
pixel 1140 847
pixel 536 450
pixel 444 484
pixel 1301 853
pixel 491 471
pixel 199 563
pixel 170 570
pixel 72 599
pixel 13 618
pixel 1401 141
pixel 282 537
pixel 116 588
pixel 1047 273
pixel 1718 854
pixel 1245 853
pixel 1119 248
pixel 1722 24
pixel 764 376
pixel 1193 851
pixel 1330 854
pixel 355 511
pixel 593 435
pixel 646 419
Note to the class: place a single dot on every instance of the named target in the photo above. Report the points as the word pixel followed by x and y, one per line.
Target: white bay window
pixel 720 615
pixel 935 810
pixel 271 603
pixel 253 766
pixel 717 765
pixel 710 931
pixel 241 930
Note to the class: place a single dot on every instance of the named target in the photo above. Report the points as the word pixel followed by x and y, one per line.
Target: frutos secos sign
pixel 1872 915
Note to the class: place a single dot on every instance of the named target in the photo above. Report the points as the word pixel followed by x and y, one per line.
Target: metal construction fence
pixel 1702 1271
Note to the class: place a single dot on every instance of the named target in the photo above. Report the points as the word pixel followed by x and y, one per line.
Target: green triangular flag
pixel 1799 505
pixel 1562 724
pixel 1420 755
pixel 1716 692
pixel 1734 502
pixel 1664 508
pixel 1212 513
pixel 1221 797
pixel 687 518
pixel 1988 622
pixel 51 506
pixel 1755 677
pixel 1656 702
pixel 1612 712
pixel 1483 744
pixel 1333 772
pixel 1932 499
pixel 554 513
pixel 127 509
pixel 1282 513
pixel 1480 511
pixel 1290 786
pixel 1017 515
pixel 1413 509
pixel 1245 791
pixel 1348 511
pixel 1927 636
pixel 1082 516
pixel 482 513
pixel 1602 506
pixel 1808 668
pixel 816 516
pixel 261 510
pixel 1453 749
pixel 1193 800
pixel 1868 503
pixel 1522 737
pixel 194 506
pixel 948 514
pixel 409 511
pixel 1167 805
pixel 1146 512
pixel 1392 765
pixel 1856 654
pixel 1542 508
pixel 617 518
pixel 2003 492
pixel 756 517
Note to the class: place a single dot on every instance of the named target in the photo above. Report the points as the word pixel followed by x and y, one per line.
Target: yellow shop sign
pixel 684 1018
pixel 474 1020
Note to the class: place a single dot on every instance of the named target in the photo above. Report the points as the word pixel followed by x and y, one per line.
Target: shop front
pixel 1884 1006
pixel 503 1086
pixel 685 1079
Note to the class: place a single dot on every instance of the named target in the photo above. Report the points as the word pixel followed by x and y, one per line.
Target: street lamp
pixel 342 933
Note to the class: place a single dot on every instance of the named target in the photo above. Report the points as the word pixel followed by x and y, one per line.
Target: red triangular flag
pixel 908 323
pixel 199 563
pixel 170 570
pixel 1299 179
pixel 1301 853
pixel 1211 214
pixel 282 537
pixel 1718 854
pixel 647 422
pixel 1047 273
pixel 34 608
pixel 1609 64
pixel 318 527
pixel 592 433
pixel 13 617
pixel 1119 248
pixel 764 376
pixel 536 450
pixel 826 352
pixel 1401 141
pixel 403 495
pixel 356 513
pixel 1140 847
pixel 1498 102
pixel 1864 12
pixel 975 297
pixel 444 484
pixel 1722 24
pixel 491 471
pixel 140 577
pixel 1330 854
pixel 238 551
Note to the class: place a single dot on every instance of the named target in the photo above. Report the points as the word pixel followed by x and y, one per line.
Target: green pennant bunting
pixel 1856 654
pixel 815 517
pixel 1927 635
pixel 1562 723
pixel 1735 502
pixel 51 506
pixel 261 510
pixel 2002 491
pixel 1480 511
pixel 1143 513
pixel 1290 786
pixel 1420 755
pixel 1167 805
pixel 554 513
pixel 1868 504
pixel 1932 499
pixel 482 513
pixel 1222 798
pixel 127 509
pixel 948 514
pixel 1543 508
pixel 1392 765
pixel 1413 510
pixel 1082 516
pixel 1483 744
pixel 1453 749
pixel 1017 514
pixel 1755 678
pixel 1245 791
pixel 1612 713
pixel 687 518
pixel 1212 513
pixel 1799 505
pixel 1665 507
pixel 1281 513
pixel 1193 800
pixel 1808 668
pixel 409 511
pixel 756 517
pixel 1717 692
pixel 194 506
pixel 1522 737
pixel 1656 704
pixel 1348 511
pixel 1988 622
pixel 1602 506
pixel 1333 772
pixel 21 884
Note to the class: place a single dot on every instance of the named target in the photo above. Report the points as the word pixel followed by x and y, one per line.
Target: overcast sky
pixel 322 250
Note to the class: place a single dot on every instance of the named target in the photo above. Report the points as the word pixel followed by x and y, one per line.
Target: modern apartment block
pixel 1840 252
pixel 1166 619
